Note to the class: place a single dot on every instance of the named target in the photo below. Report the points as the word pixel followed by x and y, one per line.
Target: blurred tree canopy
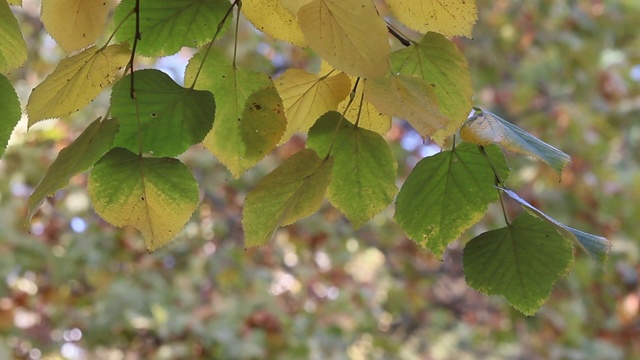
pixel 75 287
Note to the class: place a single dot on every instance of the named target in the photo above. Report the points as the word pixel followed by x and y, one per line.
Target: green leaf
pixel 155 195
pixel 13 49
pixel 291 192
pixel 447 193
pixel 409 98
pixel 168 25
pixel 596 246
pixel 363 180
pixel 165 117
pixel 438 60
pixel 485 128
pixel 10 112
pixel 76 81
pixel 520 262
pixel 249 114
pixel 82 154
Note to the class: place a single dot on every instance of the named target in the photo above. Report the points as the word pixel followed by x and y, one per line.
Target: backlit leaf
pixel 13 49
pixel 155 195
pixel 520 262
pixel 272 18
pixel 307 96
pixel 294 5
pixel 76 81
pixel 596 246
pixel 349 35
pixel 450 18
pixel 364 112
pixel 291 192
pixel 15 2
pixel 447 193
pixel 82 154
pixel 165 119
pixel 409 98
pixel 485 128
pixel 168 25
pixel 249 113
pixel 10 112
pixel 75 24
pixel 363 180
pixel 438 61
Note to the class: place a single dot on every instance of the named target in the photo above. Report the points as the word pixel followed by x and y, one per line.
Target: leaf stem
pixel 352 96
pixel 133 11
pixel 137 36
pixel 210 45
pixel 235 43
pixel 404 40
pixel 498 182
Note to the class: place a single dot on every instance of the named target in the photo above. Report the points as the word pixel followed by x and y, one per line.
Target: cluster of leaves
pixel 240 116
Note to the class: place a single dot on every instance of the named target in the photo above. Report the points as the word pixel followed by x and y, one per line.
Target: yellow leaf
pixel 449 18
pixel 76 82
pixel 272 18
pixel 349 35
pixel 294 5
pixel 75 24
pixel 306 97
pixel 13 49
pixel 15 2
pixel 409 98
pixel 369 117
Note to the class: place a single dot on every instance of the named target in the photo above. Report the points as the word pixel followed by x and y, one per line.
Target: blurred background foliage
pixel 73 287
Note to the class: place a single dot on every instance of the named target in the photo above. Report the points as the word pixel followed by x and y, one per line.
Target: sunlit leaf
pixel 10 112
pixel 294 5
pixel 520 262
pixel 306 96
pixel 450 17
pixel 272 18
pixel 76 81
pixel 447 193
pixel 155 195
pixel 291 192
pixel 168 25
pixel 409 98
pixel 75 24
pixel 596 246
pixel 364 112
pixel 438 61
pixel 165 119
pixel 250 117
pixel 485 128
pixel 82 154
pixel 15 2
pixel 13 49
pixel 349 35
pixel 363 180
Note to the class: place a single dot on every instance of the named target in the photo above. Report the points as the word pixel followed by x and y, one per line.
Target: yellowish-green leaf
pixel 249 115
pixel 449 18
pixel 15 2
pixel 10 111
pixel 82 154
pixel 596 246
pixel 291 192
pixel 13 49
pixel 364 112
pixel 437 60
pixel 349 35
pixel 155 195
pixel 485 127
pixel 272 18
pixel 76 81
pixel 75 24
pixel 306 97
pixel 409 98
pixel 363 180
pixel 168 25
